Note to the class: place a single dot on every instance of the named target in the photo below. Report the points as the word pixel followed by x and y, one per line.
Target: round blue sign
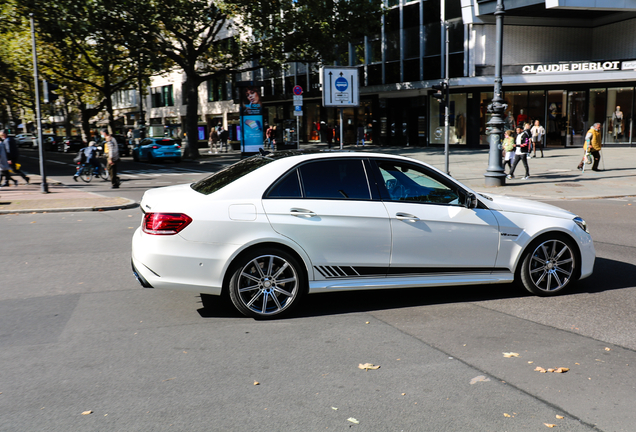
pixel 341 84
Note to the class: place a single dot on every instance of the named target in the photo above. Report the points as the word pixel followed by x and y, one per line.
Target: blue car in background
pixel 155 149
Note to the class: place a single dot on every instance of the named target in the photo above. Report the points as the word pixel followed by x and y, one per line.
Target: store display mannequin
pixel 521 118
pixel 510 122
pixel 617 122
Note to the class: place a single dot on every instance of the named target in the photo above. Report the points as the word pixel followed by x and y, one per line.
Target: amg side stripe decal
pixel 335 272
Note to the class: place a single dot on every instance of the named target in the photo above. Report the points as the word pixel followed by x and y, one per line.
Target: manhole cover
pixel 569 184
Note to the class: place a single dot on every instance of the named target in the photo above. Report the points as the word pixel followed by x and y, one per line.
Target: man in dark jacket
pixel 525 146
pixel 11 148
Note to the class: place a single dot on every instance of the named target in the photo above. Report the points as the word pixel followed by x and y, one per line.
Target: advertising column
pixel 251 118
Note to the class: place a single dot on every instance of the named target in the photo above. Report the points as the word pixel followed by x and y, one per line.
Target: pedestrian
pixel 88 155
pixel 4 168
pixel 13 155
pixel 130 137
pixel 524 144
pixel 593 145
pixel 223 137
pixel 213 140
pixel 508 149
pixel 538 133
pixel 113 157
pixel 360 135
pixel 269 134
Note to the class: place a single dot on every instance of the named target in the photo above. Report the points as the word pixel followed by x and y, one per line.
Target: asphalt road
pixel 78 334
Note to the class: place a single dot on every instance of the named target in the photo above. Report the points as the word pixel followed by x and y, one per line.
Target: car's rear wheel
pixel 549 265
pixel 266 283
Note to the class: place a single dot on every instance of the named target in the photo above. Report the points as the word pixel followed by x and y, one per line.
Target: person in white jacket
pixel 538 133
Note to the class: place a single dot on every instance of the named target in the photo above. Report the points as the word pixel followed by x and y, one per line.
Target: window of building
pixel 217 87
pixel 411 25
pixel 619 115
pixel 374 48
pixel 456 120
pixel 162 96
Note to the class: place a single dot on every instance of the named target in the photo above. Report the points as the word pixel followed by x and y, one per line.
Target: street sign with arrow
pixel 340 86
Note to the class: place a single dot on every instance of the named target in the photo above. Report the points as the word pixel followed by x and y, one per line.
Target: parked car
pixel 52 142
pixel 71 144
pixel 154 149
pixel 273 227
pixel 122 144
pixel 26 140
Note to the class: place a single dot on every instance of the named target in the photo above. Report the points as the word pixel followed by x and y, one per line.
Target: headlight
pixel 581 223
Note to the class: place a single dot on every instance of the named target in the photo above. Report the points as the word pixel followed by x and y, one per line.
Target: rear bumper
pixel 142 280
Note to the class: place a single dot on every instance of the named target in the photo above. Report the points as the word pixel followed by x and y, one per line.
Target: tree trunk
pixel 192 118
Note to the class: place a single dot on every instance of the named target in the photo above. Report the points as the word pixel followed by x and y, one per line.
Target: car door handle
pixel 406 217
pixel 298 212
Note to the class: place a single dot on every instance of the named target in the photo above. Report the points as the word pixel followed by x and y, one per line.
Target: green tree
pixel 212 39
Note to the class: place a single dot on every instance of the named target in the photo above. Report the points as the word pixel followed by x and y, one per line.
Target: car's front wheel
pixel 266 283
pixel 549 265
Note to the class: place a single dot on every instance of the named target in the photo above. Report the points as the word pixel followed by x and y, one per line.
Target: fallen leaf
pixel 367 322
pixel 403 394
pixel 510 354
pixel 334 408
pixel 507 415
pixel 368 366
pixel 87 412
pixel 530 362
pixel 560 417
pixel 540 369
pixel 550 425
pixel 608 349
pixel 479 378
pixel 550 370
pixel 257 383
pixel 561 370
pixel 352 420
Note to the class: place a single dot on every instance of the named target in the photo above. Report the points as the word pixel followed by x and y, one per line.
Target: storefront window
pixel 556 125
pixel 456 121
pixel 618 119
pixel 485 99
pixel 536 106
pixel 517 108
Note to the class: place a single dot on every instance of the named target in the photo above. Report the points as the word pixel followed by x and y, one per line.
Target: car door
pixel 432 231
pixel 327 207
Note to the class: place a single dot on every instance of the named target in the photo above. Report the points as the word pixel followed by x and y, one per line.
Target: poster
pixel 251 119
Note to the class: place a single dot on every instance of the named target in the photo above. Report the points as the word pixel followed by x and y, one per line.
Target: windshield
pixel 234 172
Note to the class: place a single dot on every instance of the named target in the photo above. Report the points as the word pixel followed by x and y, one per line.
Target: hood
pixel 519 205
pixel 168 199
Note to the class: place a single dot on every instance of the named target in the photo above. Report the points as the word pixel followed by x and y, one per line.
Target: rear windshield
pixel 234 172
pixel 165 142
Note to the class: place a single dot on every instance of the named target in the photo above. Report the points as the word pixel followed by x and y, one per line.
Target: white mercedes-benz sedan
pixel 274 227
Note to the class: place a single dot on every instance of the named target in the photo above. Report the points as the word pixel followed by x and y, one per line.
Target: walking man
pixel 524 145
pixel 11 149
pixel 593 144
pixel 113 157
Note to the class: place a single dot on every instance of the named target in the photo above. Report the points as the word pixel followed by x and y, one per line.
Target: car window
pixel 166 142
pixel 286 187
pixel 413 183
pixel 335 179
pixel 234 172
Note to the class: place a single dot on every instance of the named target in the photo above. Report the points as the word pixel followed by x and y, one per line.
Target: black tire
pixel 549 265
pixel 256 288
pixel 87 173
pixel 177 160
pixel 135 156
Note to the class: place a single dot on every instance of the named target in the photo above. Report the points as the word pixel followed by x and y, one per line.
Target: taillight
pixel 155 147
pixel 165 223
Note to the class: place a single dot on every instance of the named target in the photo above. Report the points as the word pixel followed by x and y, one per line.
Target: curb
pixel 131 204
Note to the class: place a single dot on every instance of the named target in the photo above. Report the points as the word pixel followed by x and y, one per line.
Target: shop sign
pixel 629 65
pixel 572 67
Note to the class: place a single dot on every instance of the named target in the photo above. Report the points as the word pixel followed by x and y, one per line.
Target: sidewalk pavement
pixel 29 199
pixel 552 177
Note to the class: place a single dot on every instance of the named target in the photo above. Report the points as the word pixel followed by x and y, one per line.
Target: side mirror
pixel 471 200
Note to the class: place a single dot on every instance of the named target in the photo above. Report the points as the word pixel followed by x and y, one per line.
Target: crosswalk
pixel 133 174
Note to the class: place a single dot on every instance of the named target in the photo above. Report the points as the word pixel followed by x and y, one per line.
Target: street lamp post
pixel 44 187
pixel 495 175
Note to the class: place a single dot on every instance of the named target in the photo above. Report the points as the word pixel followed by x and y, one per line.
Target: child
pixel 508 149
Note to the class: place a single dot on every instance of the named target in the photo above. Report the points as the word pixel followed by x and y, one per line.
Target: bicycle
pixel 88 171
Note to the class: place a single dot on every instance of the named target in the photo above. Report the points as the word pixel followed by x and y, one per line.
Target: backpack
pixel 81 157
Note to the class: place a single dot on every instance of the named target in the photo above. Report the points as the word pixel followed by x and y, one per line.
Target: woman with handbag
pixel 538 132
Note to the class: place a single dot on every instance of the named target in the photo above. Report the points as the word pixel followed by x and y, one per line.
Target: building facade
pixel 567 63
